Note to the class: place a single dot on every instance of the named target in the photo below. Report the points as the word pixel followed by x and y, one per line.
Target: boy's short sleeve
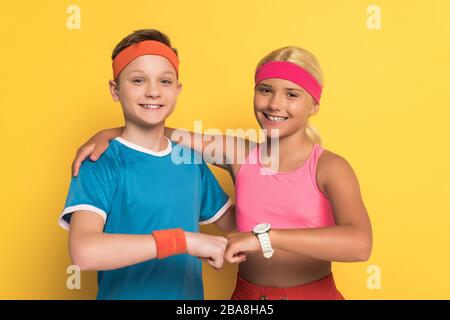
pixel 92 190
pixel 215 201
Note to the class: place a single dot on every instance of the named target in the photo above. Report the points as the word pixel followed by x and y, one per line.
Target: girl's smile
pixel 274 119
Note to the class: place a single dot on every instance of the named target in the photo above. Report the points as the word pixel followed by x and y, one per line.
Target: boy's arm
pixel 92 249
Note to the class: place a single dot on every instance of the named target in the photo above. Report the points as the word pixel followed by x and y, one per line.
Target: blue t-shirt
pixel 137 191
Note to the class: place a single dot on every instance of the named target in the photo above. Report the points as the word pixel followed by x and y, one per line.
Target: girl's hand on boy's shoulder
pixel 94 148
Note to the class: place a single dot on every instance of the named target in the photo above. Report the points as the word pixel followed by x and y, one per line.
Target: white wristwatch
pixel 262 232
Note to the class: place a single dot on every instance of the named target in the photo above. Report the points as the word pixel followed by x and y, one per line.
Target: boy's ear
pixel 114 89
pixel 179 87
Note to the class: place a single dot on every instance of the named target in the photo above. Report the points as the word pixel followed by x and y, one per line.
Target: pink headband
pixel 292 72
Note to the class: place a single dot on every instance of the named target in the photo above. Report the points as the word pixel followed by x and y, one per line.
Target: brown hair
pixel 141 35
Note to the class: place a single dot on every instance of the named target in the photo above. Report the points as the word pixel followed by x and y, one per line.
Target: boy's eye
pixel 138 81
pixel 166 81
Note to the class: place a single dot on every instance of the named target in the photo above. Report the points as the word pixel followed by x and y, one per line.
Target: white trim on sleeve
pixel 218 214
pixel 63 223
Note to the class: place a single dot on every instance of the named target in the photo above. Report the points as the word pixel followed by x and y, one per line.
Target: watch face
pixel 260 228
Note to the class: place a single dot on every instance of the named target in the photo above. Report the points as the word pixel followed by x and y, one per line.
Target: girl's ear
pixel 114 89
pixel 179 87
pixel 314 109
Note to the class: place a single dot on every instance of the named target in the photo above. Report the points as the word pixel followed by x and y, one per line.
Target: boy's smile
pixel 151 106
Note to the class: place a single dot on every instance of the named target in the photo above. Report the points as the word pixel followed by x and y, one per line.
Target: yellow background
pixel 385 108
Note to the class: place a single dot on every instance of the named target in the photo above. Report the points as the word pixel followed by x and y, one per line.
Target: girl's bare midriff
pixel 283 269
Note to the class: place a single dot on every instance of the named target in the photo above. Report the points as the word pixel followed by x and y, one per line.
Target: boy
pixel 133 214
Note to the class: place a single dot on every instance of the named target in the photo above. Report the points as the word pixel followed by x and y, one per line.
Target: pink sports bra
pixel 286 200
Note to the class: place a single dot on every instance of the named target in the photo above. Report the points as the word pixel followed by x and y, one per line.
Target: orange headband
pixel 140 49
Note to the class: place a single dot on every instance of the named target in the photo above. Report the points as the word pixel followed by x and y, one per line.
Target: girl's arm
pixel 227 222
pixel 92 249
pixel 349 241
pixel 98 144
pixel 228 151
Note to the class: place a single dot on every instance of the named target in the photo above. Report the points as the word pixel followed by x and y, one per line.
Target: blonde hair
pixel 307 61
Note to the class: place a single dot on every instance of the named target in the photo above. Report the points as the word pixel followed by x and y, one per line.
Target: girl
pixel 292 222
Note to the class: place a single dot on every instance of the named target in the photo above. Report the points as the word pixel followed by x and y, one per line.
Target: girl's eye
pixel 165 81
pixel 263 90
pixel 138 81
pixel 292 95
